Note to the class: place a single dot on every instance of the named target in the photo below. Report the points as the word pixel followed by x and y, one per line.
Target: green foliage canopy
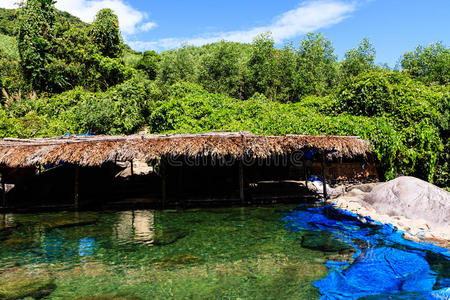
pixel 359 60
pixel 35 37
pixel 106 34
pixel 430 64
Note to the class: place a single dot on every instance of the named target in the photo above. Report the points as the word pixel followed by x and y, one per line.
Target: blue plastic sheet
pixel 385 266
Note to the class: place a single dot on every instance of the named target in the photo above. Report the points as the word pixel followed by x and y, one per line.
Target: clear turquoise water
pixel 223 253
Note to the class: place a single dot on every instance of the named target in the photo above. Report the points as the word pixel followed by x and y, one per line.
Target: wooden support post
pixel 241 181
pixel 325 196
pixel 75 187
pixel 3 193
pixel 305 173
pixel 181 186
pixel 131 168
pixel 163 169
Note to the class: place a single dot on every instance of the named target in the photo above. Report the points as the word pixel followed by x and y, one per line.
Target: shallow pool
pixel 221 253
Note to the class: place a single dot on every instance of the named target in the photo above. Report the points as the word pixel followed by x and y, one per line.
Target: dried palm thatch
pixel 97 150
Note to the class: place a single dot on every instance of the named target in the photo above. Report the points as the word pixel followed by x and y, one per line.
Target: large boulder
pixel 412 198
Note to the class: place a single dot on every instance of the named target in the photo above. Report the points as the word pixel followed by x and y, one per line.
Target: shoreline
pixel 416 230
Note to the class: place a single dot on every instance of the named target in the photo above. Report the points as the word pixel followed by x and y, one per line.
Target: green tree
pixel 35 40
pixel 179 65
pixel 220 71
pixel 360 59
pixel 430 64
pixel 106 34
pixel 149 63
pixel 261 63
pixel 316 70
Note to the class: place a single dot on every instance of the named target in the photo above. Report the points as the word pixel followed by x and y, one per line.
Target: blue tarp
pixel 80 135
pixel 386 265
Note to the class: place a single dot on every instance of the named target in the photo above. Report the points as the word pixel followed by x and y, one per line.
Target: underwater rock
pixel 183 259
pixel 169 236
pixel 37 288
pixel 20 242
pixel 65 222
pixel 108 298
pixel 323 241
pixel 5 233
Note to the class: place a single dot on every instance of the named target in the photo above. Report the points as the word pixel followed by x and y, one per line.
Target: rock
pixel 104 297
pixel 69 221
pixel 409 204
pixel 5 233
pixel 412 198
pixel 323 241
pixel 183 259
pixel 20 243
pixel 366 188
pixel 169 236
pixel 140 167
pixel 19 288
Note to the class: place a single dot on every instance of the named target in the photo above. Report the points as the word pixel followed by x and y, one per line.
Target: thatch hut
pixel 186 157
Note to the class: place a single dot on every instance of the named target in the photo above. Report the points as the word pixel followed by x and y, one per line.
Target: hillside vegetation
pixel 61 76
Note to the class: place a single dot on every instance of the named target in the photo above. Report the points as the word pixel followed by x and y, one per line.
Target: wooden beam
pixel 75 187
pixel 325 196
pixel 241 181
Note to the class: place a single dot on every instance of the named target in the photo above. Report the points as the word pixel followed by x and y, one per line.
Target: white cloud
pixel 131 20
pixel 8 3
pixel 309 16
pixel 147 26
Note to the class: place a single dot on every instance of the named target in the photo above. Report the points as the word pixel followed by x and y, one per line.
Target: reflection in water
pixel 86 247
pixel 224 253
pixel 135 226
pixel 6 220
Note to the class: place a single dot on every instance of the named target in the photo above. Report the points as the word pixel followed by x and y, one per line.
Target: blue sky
pixel 394 26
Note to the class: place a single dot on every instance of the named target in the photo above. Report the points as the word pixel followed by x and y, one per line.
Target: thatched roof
pixel 96 150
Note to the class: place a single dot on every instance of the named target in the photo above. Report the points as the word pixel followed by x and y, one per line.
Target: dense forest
pixel 59 75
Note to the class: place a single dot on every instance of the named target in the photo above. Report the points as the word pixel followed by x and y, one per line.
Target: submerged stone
pixel 108 298
pixel 183 259
pixel 20 242
pixel 5 233
pixel 37 288
pixel 66 222
pixel 169 236
pixel 323 241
